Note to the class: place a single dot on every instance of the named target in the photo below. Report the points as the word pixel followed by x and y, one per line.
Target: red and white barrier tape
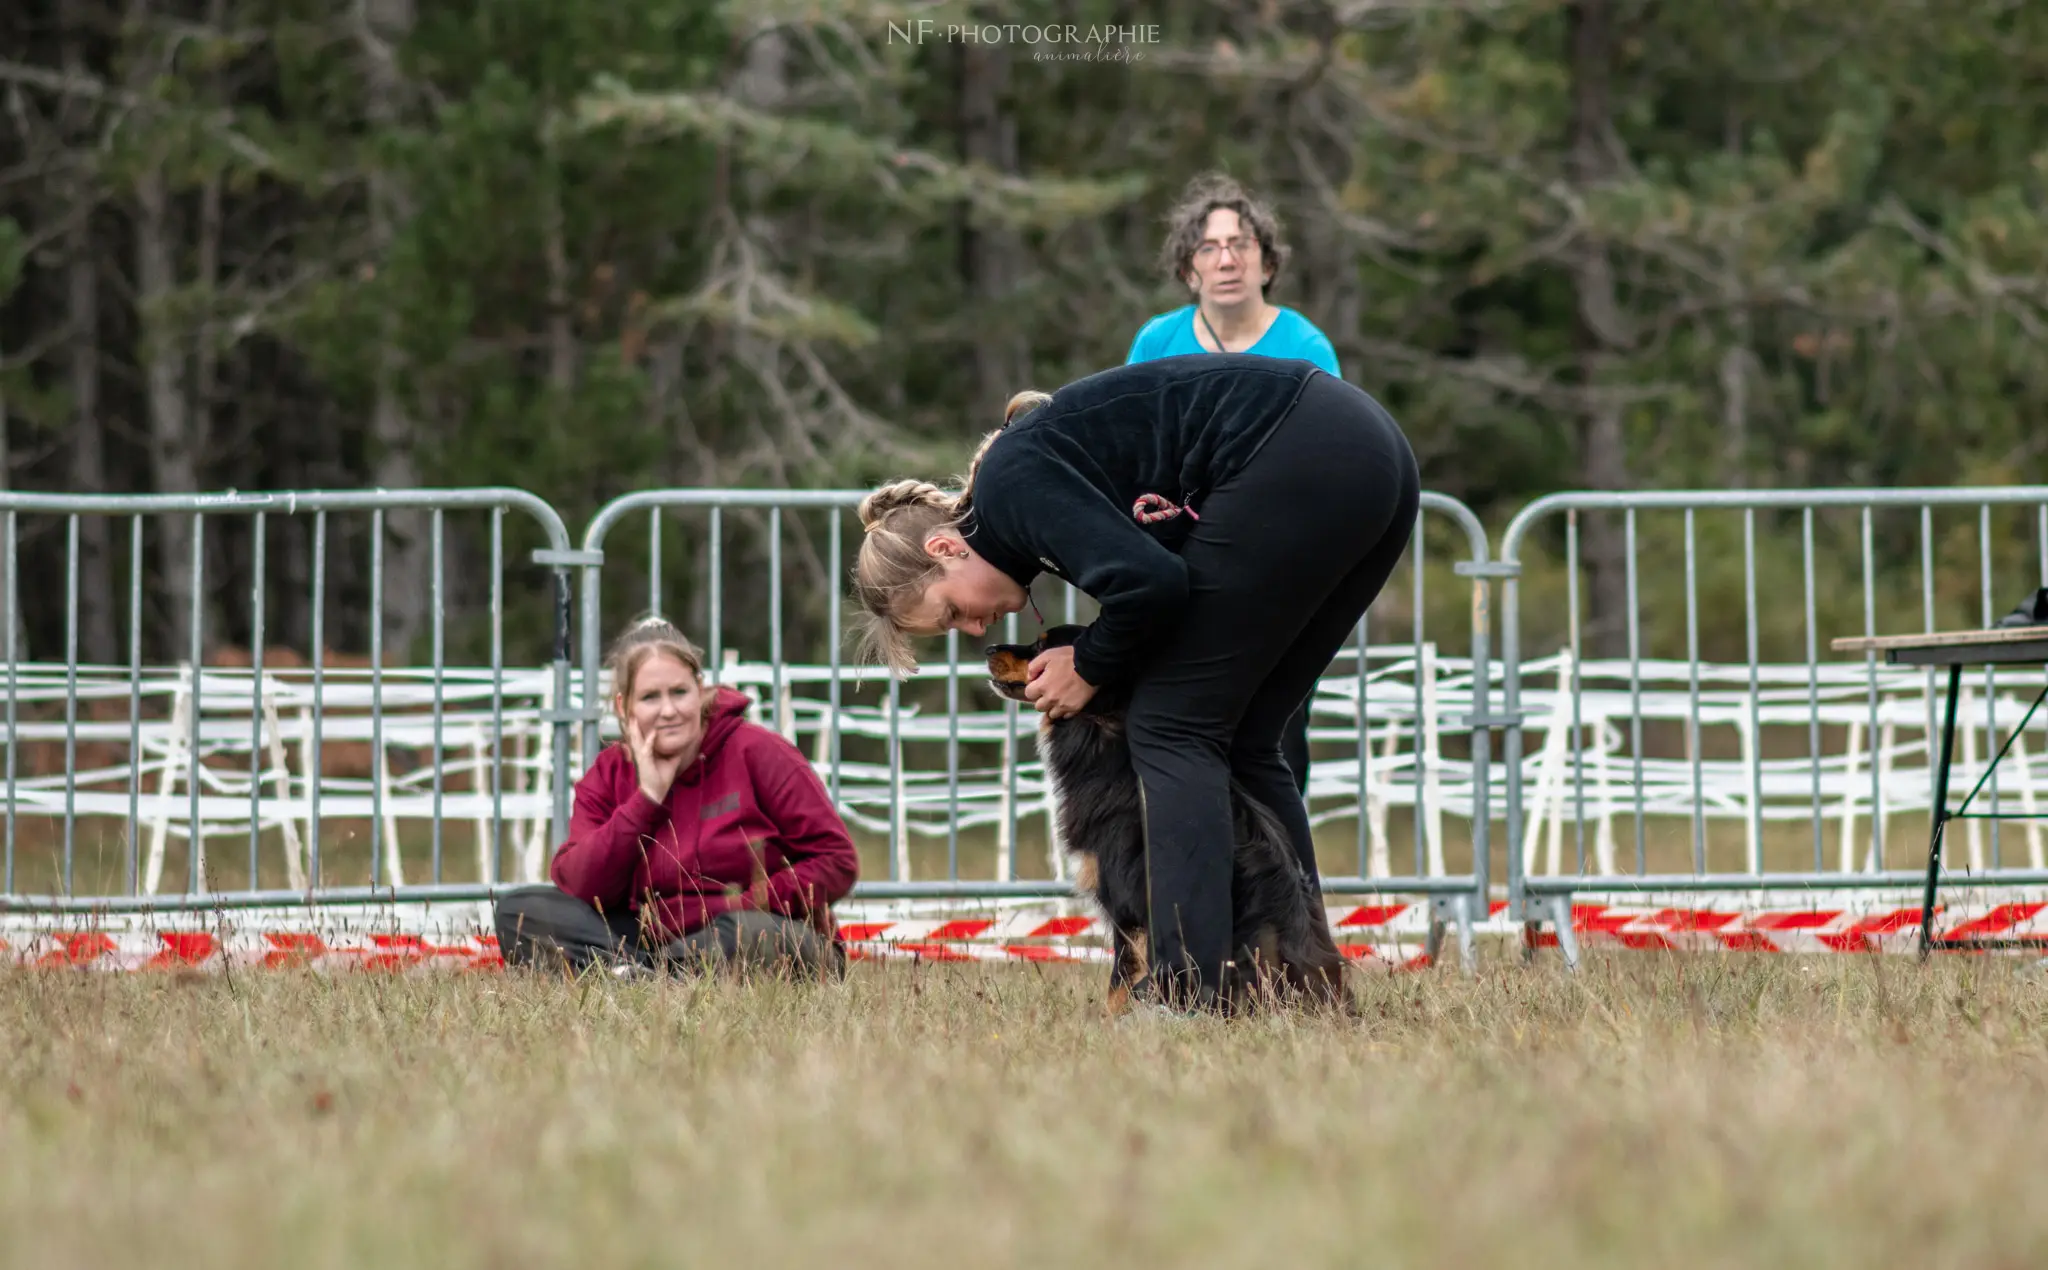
pixel 458 936
pixel 2024 925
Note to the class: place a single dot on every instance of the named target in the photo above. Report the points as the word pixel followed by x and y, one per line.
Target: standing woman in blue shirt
pixel 1225 247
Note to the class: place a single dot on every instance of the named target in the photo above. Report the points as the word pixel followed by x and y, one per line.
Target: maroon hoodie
pixel 749 808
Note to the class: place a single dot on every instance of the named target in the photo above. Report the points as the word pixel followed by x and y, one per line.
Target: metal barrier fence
pixel 862 749
pixel 222 732
pixel 346 775
pixel 1685 760
pixel 1780 770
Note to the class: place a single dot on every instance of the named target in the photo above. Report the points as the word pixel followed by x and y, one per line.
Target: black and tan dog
pixel 1280 937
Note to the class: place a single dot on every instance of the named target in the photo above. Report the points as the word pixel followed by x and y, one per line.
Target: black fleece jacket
pixel 1056 491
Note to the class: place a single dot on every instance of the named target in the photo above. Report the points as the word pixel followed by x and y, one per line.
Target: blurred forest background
pixel 586 248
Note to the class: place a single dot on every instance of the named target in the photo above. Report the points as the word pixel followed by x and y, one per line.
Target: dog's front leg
pixel 1127 968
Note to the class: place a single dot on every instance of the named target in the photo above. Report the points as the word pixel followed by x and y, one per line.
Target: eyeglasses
pixel 1240 247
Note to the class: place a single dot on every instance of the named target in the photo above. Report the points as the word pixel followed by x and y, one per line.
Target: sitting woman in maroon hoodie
pixel 700 838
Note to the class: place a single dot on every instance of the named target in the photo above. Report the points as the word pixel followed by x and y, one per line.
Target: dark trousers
pixel 1294 746
pixel 1286 558
pixel 545 926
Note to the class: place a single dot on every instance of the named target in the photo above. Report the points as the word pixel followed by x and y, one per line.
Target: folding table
pixel 1998 646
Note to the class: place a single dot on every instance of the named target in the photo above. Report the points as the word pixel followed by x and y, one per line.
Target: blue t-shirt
pixel 1291 335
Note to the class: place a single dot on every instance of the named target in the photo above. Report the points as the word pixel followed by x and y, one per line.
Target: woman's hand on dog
pixel 1055 687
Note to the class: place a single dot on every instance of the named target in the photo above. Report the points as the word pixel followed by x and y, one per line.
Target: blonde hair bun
pixel 893 568
pixel 1029 399
pixel 879 503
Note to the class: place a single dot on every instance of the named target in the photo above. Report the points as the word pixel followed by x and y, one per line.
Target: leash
pixel 1150 509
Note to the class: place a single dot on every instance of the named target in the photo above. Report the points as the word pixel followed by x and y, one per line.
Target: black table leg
pixel 1940 812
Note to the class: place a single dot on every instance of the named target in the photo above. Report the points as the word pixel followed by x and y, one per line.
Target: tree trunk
pixel 684 463
pixel 226 556
pixel 407 565
pixel 989 256
pixel 315 463
pixel 173 449
pixel 88 474
pixel 206 361
pixel 561 320
pixel 1337 291
pixel 763 85
pixel 1738 370
pixel 667 412
pixel 1601 330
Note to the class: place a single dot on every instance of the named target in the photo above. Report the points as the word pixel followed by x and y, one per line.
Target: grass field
pixel 1707 1111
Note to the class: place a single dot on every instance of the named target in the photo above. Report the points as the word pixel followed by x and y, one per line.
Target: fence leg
pixel 1567 939
pixel 1006 815
pixel 1851 768
pixel 900 843
pixel 1549 801
pixel 174 763
pixel 485 855
pixel 1752 838
pixel 1557 910
pixel 1603 792
pixel 1453 911
pixel 281 779
pixel 1880 812
pixel 1430 794
pixel 2027 804
pixel 534 859
pixel 313 776
pixel 394 867
pixel 821 741
pixel 1378 796
pixel 1973 831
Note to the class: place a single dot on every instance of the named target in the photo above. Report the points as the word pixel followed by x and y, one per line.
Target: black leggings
pixel 1287 556
pixel 1294 748
pixel 544 926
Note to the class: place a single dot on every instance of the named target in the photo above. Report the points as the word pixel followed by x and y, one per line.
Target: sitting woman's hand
pixel 1055 687
pixel 656 772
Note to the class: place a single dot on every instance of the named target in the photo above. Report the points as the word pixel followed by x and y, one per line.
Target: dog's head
pixel 1009 665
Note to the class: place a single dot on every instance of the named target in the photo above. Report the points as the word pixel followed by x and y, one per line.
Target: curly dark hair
pixel 1205 194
